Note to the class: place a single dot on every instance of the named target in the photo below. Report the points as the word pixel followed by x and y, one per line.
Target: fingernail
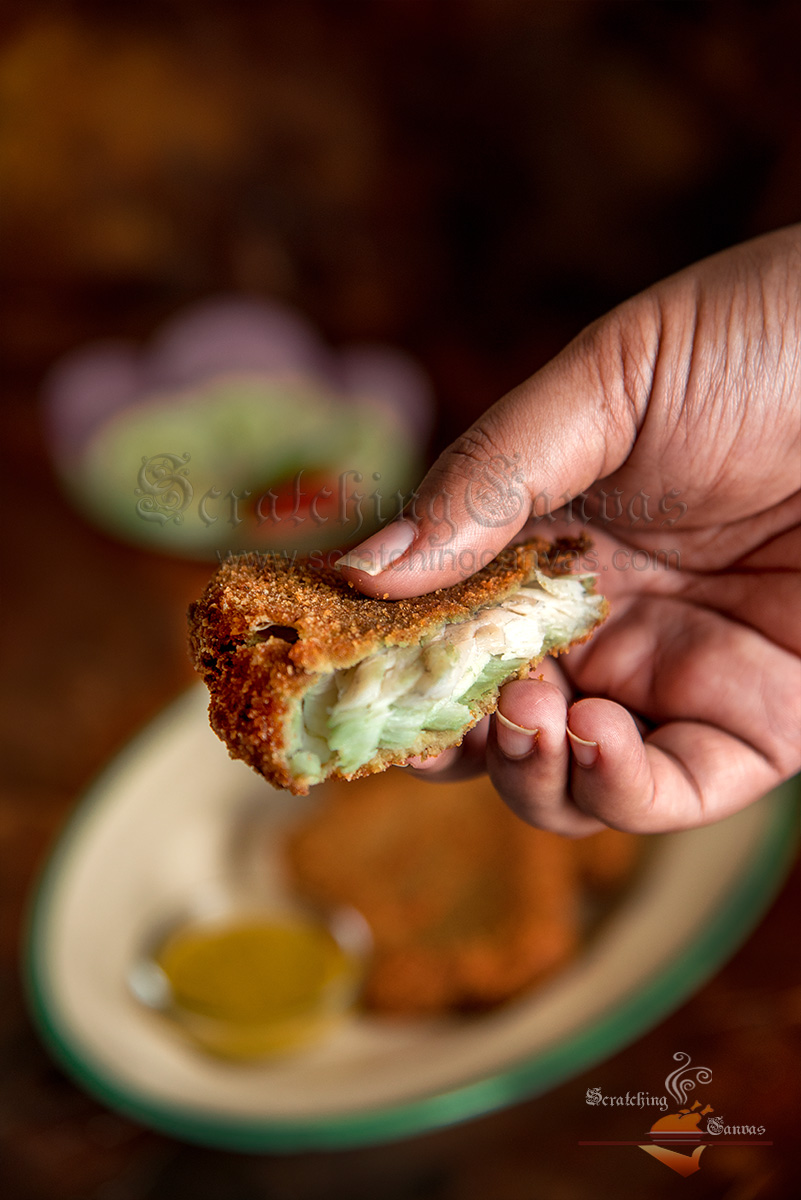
pixel 380 551
pixel 585 753
pixel 515 741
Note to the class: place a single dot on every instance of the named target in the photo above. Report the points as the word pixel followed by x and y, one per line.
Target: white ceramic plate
pixel 174 818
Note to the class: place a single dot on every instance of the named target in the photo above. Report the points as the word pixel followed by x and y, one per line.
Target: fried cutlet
pixel 467 905
pixel 309 679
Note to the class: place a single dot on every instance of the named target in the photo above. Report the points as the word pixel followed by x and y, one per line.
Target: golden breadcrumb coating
pixel 467 905
pixel 266 629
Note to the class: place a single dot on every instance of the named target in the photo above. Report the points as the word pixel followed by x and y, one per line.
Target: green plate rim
pixel 640 1011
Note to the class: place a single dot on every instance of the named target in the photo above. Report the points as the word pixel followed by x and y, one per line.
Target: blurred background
pixel 469 181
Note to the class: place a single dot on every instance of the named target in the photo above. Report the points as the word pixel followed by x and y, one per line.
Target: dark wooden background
pixel 473 180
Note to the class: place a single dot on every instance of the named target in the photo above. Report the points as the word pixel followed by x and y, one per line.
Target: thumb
pixel 570 424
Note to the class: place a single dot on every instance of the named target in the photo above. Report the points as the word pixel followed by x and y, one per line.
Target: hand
pixel 676 420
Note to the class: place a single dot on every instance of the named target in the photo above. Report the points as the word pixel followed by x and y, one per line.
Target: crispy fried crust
pixel 467 905
pixel 265 629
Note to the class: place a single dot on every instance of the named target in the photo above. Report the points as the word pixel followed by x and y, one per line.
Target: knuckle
pixel 624 347
pixel 476 447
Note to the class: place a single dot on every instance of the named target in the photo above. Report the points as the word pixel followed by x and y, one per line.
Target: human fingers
pixel 572 423
pixel 528 758
pixel 469 758
pixel 458 762
pixel 681 775
pixel 714 343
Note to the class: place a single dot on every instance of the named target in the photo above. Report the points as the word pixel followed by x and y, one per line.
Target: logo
pixel 678 1139
pixel 683 1127
pixel 164 487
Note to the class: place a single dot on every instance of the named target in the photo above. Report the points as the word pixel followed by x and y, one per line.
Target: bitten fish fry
pixel 311 680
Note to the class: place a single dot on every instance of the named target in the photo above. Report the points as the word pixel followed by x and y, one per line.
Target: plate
pixel 173 817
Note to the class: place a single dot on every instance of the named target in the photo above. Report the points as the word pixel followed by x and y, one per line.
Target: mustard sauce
pixel 255 987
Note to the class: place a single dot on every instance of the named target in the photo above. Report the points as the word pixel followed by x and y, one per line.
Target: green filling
pixel 354 739
pixel 354 735
pixel 492 676
pixel 390 702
